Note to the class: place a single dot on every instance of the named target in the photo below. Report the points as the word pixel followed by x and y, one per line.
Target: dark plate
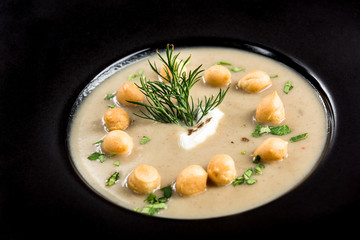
pixel 50 50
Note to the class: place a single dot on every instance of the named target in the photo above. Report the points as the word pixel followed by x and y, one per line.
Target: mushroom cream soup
pixel 229 133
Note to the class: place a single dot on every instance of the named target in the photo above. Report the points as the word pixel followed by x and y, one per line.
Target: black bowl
pixel 51 50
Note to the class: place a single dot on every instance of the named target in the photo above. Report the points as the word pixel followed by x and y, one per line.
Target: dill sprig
pixel 169 101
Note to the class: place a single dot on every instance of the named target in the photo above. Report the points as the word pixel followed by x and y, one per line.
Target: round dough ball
pixel 116 119
pixel 119 142
pixel 191 180
pixel 129 92
pixel 217 75
pixel 144 179
pixel 272 149
pixel 221 169
pixel 270 109
pixel 255 81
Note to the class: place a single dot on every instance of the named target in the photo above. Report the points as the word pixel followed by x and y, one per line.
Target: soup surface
pixel 304 114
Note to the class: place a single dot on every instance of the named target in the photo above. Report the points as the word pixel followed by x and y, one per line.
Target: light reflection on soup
pixel 304 113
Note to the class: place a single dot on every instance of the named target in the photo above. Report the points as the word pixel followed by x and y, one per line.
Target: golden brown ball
pixel 272 149
pixel 221 169
pixel 144 179
pixel 217 75
pixel 116 119
pixel 191 180
pixel 119 142
pixel 129 92
pixel 270 109
pixel 255 81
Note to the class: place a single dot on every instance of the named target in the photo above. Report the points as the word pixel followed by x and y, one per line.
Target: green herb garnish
pixel 288 86
pixel 112 179
pixel 138 74
pixel 237 69
pixel 144 140
pixel 298 137
pixel 257 159
pixel 167 191
pixel 109 96
pixel 246 176
pixel 153 209
pixel 100 156
pixel 170 101
pixel 155 204
pixel 95 155
pixel 251 181
pixel 224 63
pixel 238 181
pixel 274 76
pixel 233 69
pixel 258 169
pixel 259 130
pixel 279 130
pixel 98 142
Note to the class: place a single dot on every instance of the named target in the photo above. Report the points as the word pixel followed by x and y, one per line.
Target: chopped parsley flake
pixel 246 176
pixel 233 69
pixel 237 69
pixel 288 86
pixel 144 140
pixel 298 137
pixel 112 179
pixel 109 96
pixel 154 203
pixel 138 74
pixel 167 191
pixel 224 63
pixel 257 159
pixel 95 156
pixel 153 209
pixel 280 130
pixel 258 168
pixel 100 156
pixel 98 142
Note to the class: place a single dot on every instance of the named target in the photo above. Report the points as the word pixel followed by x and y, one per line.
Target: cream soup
pixel 304 113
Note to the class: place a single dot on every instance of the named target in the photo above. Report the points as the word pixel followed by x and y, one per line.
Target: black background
pixel 49 50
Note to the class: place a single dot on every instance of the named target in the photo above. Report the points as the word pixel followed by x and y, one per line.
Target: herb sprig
pixel 170 101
